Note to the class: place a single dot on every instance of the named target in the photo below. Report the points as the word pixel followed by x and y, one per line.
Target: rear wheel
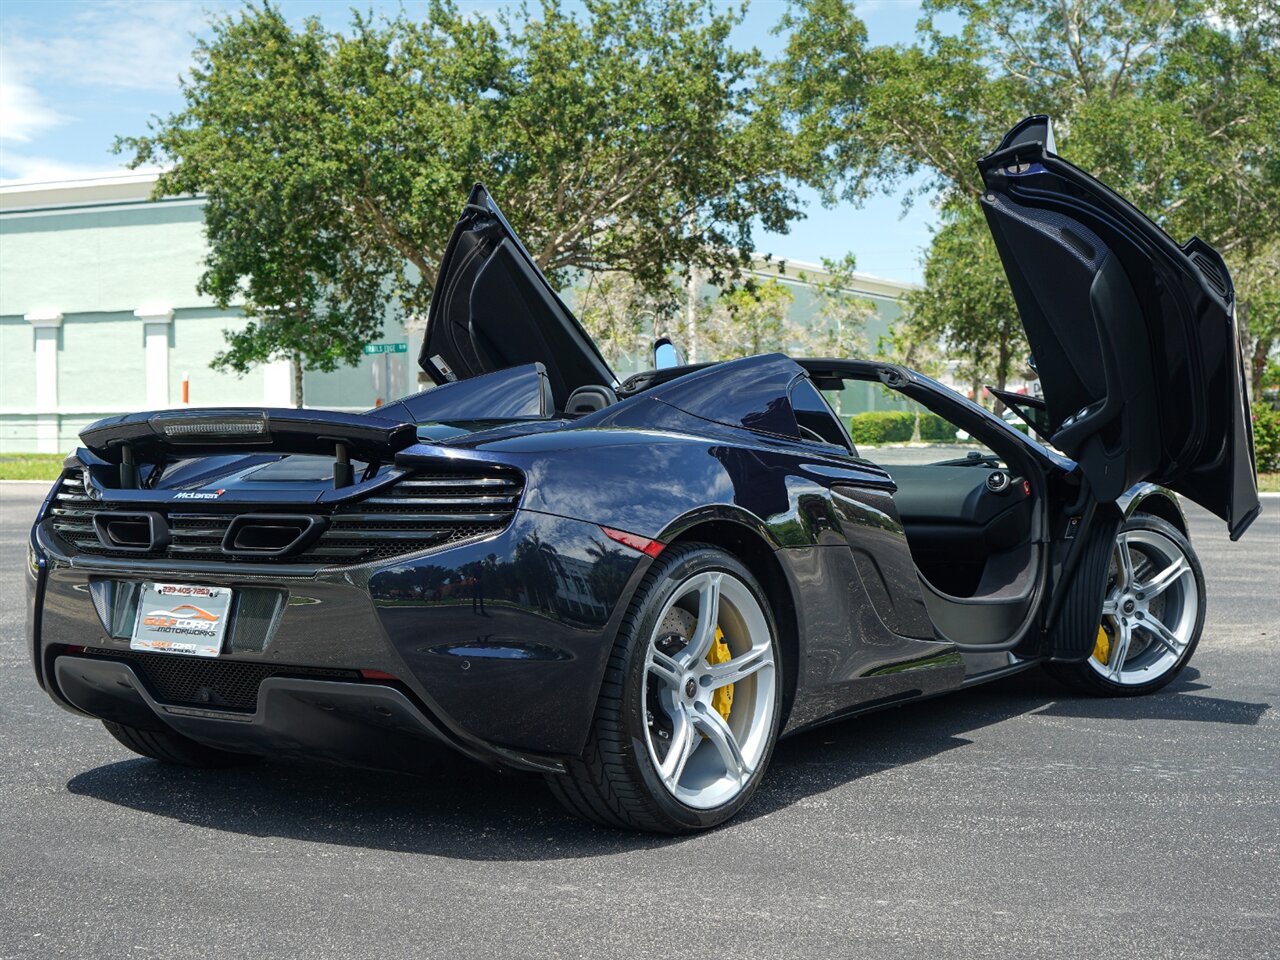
pixel 169 747
pixel 689 710
pixel 1152 613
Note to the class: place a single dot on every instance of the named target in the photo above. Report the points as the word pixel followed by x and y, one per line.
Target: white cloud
pixel 113 43
pixel 106 44
pixel 23 114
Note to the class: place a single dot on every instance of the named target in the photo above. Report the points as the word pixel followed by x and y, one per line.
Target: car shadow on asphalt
pixel 465 811
pixel 1171 703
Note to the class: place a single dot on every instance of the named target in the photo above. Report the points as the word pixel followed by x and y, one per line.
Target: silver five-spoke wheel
pixel 1151 613
pixel 691 703
pixel 709 689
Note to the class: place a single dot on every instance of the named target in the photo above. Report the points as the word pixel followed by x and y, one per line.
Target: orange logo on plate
pixel 184 611
pixel 195 612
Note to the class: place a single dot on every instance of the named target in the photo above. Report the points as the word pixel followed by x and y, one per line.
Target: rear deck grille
pixel 200 682
pixel 418 512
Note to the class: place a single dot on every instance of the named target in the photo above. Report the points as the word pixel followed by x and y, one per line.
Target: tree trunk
pixel 692 291
pixel 1258 367
pixel 1257 351
pixel 1247 347
pixel 297 380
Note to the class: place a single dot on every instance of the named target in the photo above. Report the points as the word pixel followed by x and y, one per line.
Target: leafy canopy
pixel 840 315
pixel 966 302
pixel 750 319
pixel 1174 103
pixel 624 318
pixel 631 137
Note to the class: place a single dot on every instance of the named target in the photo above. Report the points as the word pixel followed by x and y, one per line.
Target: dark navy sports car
pixel 636 588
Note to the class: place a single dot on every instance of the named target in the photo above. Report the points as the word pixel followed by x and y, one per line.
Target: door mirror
pixel 665 354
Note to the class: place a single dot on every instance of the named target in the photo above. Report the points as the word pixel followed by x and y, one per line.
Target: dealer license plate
pixel 181 618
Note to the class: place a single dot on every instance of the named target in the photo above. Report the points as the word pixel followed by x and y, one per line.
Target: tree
pixel 1174 104
pixel 966 302
pixel 1258 315
pixel 624 318
pixel 750 319
pixel 632 137
pixel 756 316
pixel 840 315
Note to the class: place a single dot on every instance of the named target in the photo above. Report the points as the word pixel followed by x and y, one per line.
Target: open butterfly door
pixel 1134 336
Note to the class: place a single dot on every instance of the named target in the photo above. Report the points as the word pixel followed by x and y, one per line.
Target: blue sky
pixel 75 73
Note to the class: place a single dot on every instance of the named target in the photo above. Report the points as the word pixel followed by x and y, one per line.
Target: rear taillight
pixel 650 548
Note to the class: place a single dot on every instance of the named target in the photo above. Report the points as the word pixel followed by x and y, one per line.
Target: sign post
pixel 382 385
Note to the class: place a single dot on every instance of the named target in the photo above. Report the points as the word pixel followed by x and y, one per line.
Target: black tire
pixel 169 747
pixel 615 783
pixel 1085 678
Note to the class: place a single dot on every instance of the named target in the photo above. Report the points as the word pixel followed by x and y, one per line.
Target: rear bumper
pixel 352 723
pixel 497 648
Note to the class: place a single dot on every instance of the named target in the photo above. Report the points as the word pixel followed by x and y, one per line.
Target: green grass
pixel 31 466
pixel 1269 483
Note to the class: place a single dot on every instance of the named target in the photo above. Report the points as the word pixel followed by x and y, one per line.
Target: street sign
pixel 375 348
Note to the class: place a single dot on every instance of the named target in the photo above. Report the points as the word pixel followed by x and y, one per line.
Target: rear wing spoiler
pixel 207 431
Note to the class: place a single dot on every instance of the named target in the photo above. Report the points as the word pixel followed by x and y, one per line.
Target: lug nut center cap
pixel 690 688
pixel 1129 606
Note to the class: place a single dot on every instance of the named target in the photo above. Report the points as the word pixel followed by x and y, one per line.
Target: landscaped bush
pixel 886 426
pixel 934 429
pixel 1266 437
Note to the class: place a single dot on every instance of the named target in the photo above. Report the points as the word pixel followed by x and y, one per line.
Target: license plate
pixel 181 618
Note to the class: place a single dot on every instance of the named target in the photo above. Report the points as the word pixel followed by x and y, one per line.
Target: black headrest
pixel 589 399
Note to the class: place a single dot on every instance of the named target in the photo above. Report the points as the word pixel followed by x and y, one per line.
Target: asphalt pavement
pixel 1013 820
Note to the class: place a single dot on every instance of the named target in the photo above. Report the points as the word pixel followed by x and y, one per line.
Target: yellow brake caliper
pixel 721 699
pixel 1102 646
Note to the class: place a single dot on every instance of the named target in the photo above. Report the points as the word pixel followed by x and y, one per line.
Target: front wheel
pixel 690 706
pixel 1152 613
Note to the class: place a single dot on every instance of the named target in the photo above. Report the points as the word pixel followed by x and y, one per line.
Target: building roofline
pixel 72 183
pixel 106 187
pixel 131 186
pixel 785 268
